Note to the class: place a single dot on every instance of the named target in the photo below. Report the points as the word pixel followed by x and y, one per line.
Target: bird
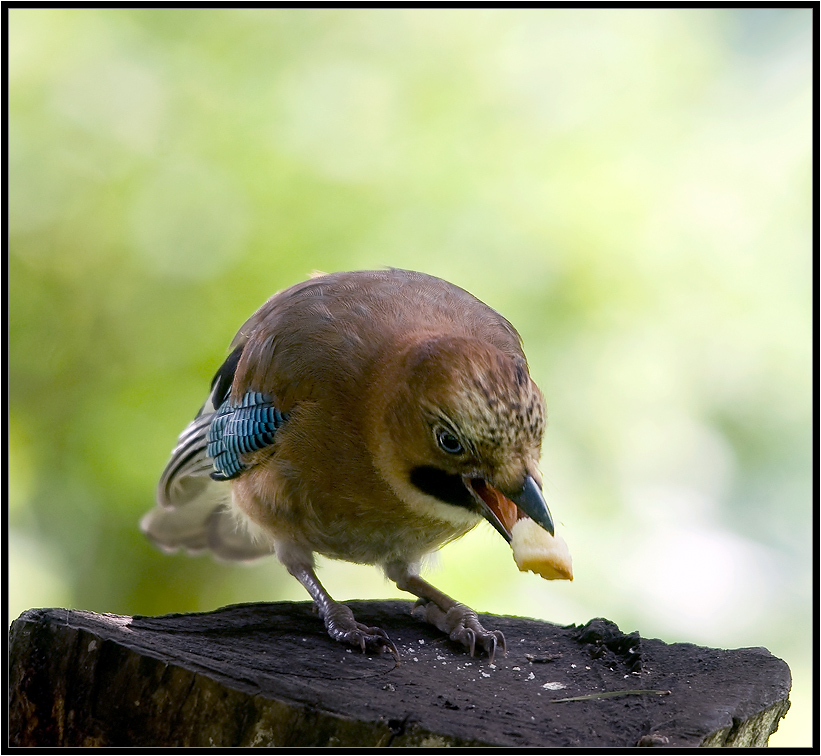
pixel 368 416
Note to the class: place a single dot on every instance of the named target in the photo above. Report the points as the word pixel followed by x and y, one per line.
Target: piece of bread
pixel 536 550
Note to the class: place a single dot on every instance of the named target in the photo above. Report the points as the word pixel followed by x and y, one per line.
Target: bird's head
pixel 461 430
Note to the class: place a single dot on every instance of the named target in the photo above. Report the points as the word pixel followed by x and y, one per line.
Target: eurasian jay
pixel 370 416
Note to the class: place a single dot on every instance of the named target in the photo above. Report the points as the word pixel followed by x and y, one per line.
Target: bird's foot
pixel 462 625
pixel 342 626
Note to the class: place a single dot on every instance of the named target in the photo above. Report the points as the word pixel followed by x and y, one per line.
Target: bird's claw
pixel 471 638
pixel 462 625
pixel 342 626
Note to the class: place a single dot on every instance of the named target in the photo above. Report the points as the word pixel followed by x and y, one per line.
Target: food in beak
pixel 536 550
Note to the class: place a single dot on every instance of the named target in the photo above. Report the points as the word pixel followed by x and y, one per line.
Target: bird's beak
pixel 503 512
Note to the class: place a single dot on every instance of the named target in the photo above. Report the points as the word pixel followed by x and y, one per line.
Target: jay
pixel 369 416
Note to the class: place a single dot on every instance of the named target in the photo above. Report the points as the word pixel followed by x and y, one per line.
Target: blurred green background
pixel 631 188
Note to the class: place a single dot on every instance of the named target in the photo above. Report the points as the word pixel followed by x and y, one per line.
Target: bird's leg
pixel 460 622
pixel 338 618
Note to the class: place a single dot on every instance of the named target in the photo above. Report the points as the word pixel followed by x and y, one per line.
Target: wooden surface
pixel 268 675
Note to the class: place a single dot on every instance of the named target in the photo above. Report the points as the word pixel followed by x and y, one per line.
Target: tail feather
pixel 206 523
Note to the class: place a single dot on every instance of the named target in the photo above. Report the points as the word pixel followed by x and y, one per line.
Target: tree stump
pixel 268 675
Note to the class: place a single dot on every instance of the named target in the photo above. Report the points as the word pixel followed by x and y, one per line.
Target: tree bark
pixel 268 675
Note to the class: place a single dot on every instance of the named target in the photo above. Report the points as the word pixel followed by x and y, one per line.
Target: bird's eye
pixel 448 442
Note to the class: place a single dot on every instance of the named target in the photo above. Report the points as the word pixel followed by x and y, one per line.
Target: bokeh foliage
pixel 631 188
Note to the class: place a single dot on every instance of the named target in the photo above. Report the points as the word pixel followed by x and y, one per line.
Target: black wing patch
pixel 221 385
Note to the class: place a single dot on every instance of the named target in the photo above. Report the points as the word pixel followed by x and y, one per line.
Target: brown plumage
pixel 397 411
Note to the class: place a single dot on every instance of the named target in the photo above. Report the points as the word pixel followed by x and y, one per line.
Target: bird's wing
pixel 193 509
